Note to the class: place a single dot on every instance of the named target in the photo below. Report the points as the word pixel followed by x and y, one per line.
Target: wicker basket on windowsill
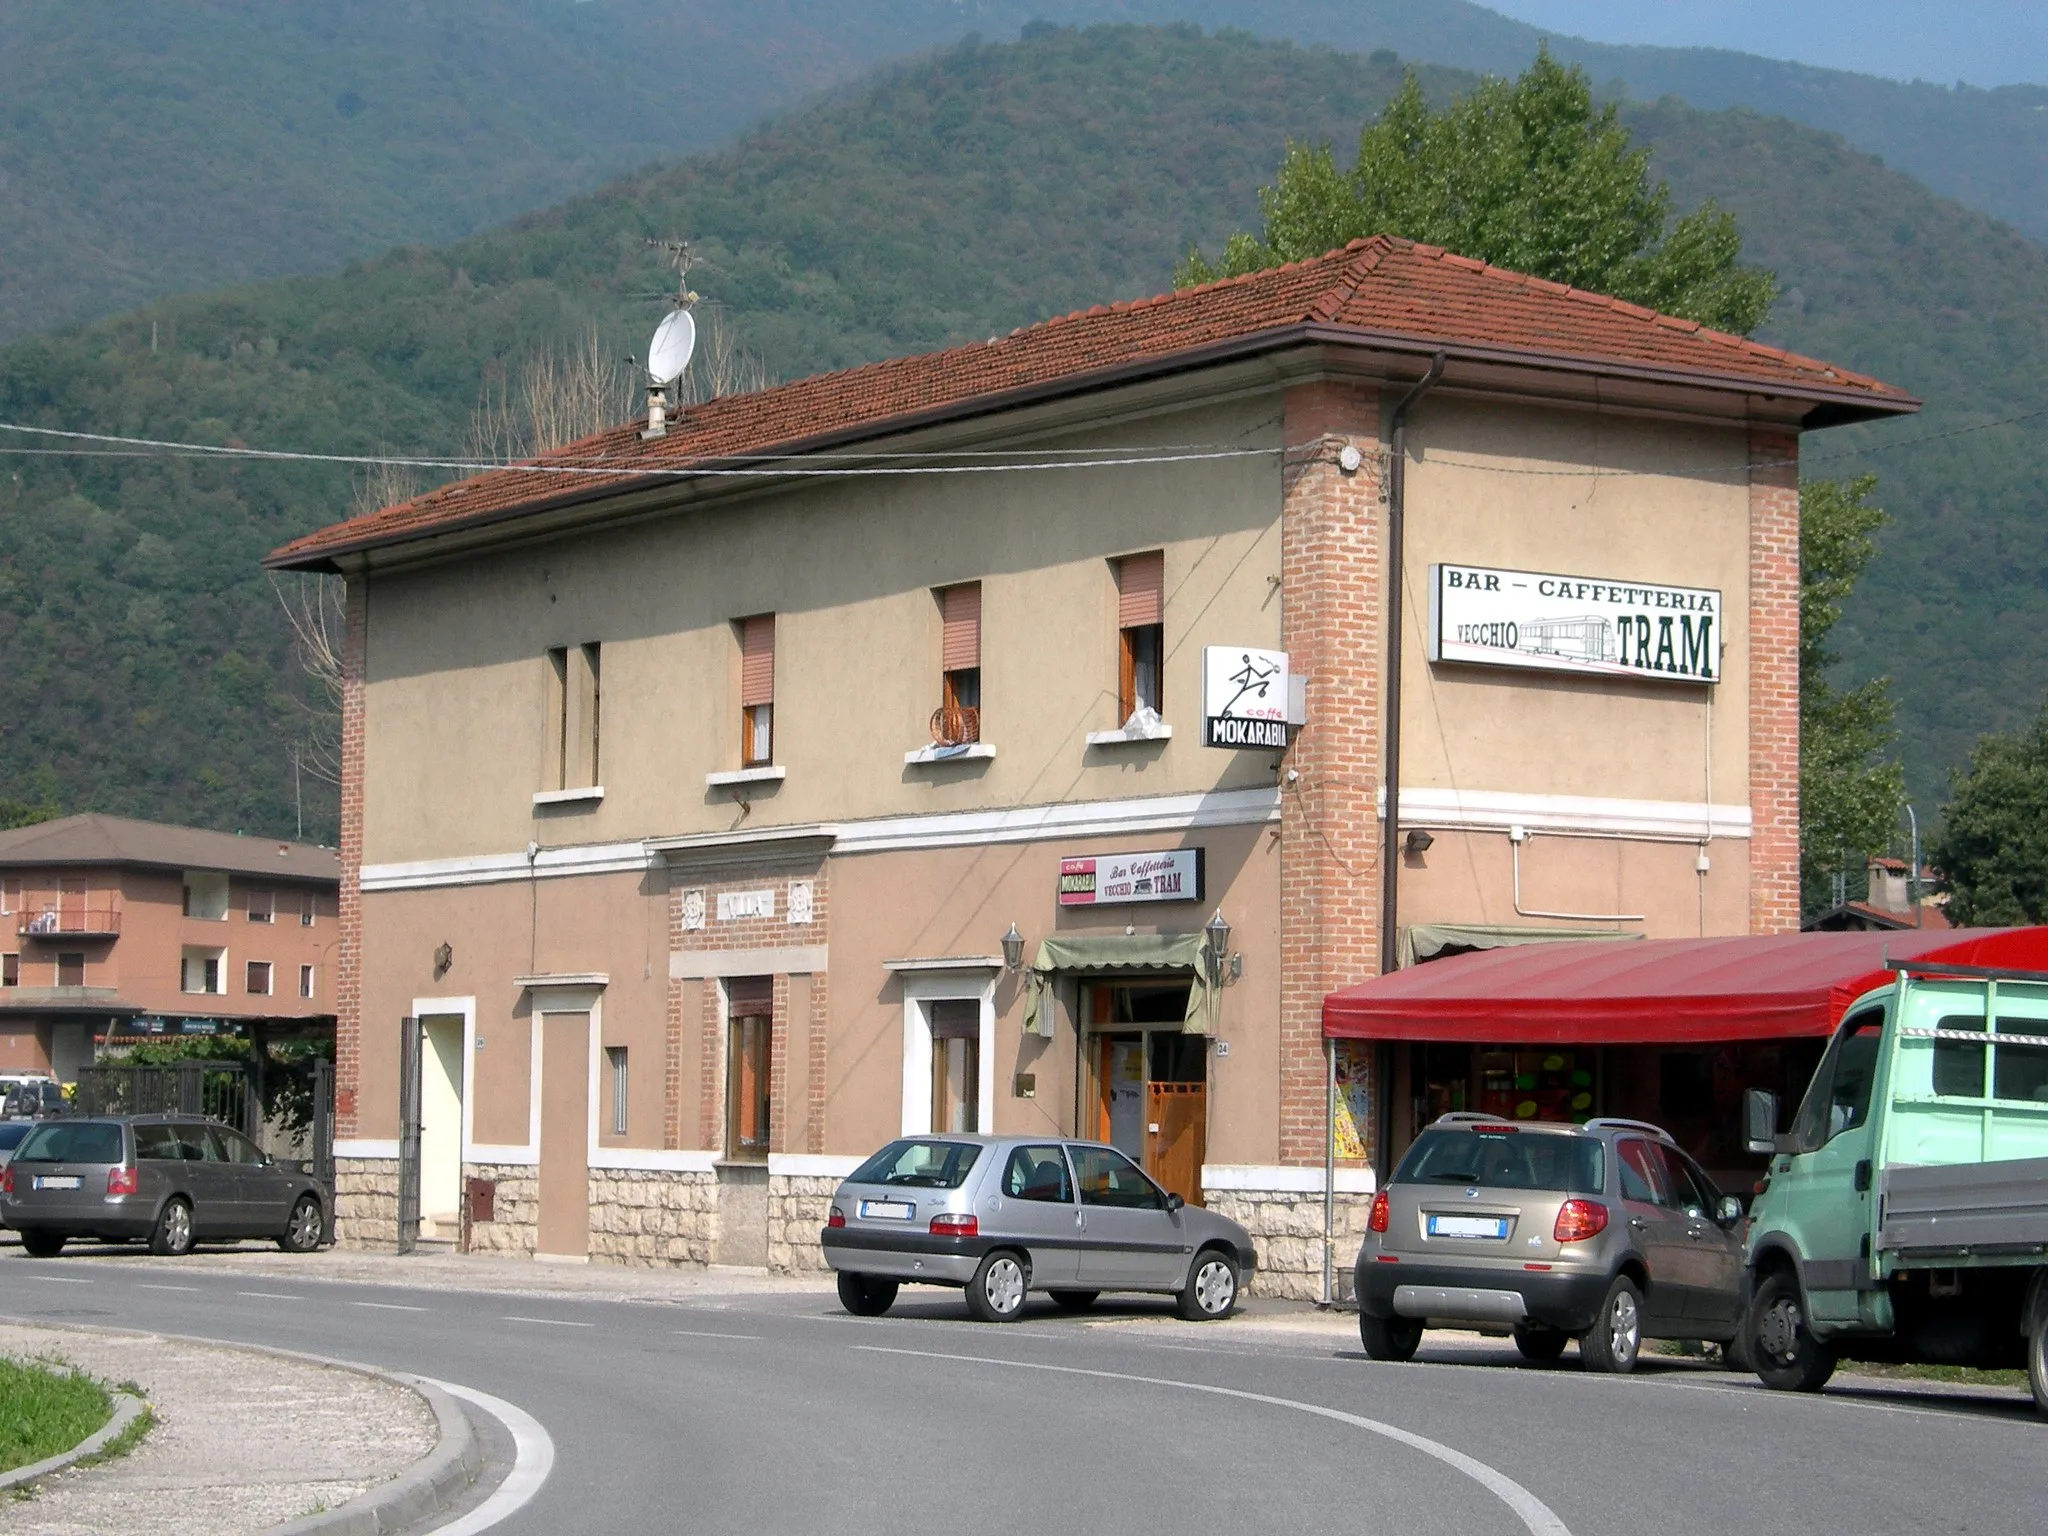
pixel 956 725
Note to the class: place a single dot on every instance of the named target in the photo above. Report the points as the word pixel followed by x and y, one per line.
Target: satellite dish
pixel 669 353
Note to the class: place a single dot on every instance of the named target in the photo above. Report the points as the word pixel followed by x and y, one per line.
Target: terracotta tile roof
pixel 1381 290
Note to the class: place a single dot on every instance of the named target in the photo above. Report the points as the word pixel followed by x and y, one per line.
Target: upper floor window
pixel 257 979
pixel 757 690
pixel 202 971
pixel 305 981
pixel 10 970
pixel 10 894
pixel 206 896
pixel 1141 634
pixel 307 908
pixel 262 906
pixel 575 696
pixel 70 968
pixel 958 718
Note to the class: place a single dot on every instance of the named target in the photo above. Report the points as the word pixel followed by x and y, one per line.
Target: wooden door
pixel 71 903
pixel 565 1134
pixel 1176 1127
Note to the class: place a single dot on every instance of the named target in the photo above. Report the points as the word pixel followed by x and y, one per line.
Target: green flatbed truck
pixel 1904 1217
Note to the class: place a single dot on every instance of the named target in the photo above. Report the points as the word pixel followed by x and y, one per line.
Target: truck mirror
pixel 1760 1121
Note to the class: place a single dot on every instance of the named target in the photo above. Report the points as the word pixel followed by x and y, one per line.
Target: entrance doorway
pixel 440 1125
pixel 564 1134
pixel 1151 1079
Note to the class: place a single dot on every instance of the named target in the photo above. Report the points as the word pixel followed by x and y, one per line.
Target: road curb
pixel 422 1488
pixel 127 1409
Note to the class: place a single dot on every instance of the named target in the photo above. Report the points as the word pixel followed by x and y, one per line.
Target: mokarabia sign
pixel 1496 618
pixel 1244 697
pixel 1116 879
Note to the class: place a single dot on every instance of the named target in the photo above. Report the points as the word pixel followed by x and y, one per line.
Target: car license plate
pixel 58 1181
pixel 1468 1226
pixel 887 1210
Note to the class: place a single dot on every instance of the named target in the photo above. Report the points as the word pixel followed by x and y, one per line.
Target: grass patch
pixel 46 1409
pixel 1958 1375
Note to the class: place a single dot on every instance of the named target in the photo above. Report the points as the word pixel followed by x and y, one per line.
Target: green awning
pixel 1425 941
pixel 1181 952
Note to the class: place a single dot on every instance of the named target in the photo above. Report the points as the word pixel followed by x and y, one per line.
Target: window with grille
pixel 615 1061
pixel 757 690
pixel 1141 634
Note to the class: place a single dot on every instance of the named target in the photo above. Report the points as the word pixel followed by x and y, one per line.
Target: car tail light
pixel 123 1181
pixel 1377 1221
pixel 1578 1220
pixel 837 1218
pixel 954 1224
pixel 7 1180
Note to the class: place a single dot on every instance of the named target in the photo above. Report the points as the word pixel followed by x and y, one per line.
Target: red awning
pixel 1747 987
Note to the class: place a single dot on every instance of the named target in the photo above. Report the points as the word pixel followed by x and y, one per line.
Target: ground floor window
pixel 749 1108
pixel 70 968
pixel 956 1065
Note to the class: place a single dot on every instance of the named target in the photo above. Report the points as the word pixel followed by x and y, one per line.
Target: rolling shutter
pixel 1141 590
pixel 757 660
pixel 960 613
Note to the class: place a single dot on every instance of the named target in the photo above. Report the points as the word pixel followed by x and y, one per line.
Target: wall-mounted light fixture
pixel 1417 843
pixel 1217 959
pixel 444 957
pixel 1013 950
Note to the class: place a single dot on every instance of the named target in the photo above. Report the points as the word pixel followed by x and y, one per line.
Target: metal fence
pixel 218 1090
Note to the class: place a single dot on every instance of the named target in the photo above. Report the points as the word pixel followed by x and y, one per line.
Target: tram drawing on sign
pixel 1484 616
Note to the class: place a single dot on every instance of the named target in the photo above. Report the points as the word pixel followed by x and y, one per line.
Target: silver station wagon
pixel 1002 1216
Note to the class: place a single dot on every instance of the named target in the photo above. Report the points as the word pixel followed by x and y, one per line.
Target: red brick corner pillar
pixel 348 968
pixel 1773 682
pixel 1331 629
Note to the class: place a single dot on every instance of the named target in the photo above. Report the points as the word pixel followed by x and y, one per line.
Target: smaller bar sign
pixel 1123 879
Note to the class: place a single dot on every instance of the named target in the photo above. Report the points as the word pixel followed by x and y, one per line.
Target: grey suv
pixel 1606 1233
pixel 1001 1216
pixel 171 1180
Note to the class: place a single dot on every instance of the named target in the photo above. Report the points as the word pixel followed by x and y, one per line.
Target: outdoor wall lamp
pixel 1013 950
pixel 1417 843
pixel 1220 962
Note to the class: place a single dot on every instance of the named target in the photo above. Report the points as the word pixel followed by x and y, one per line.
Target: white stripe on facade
pixel 1267 1179
pixel 1447 809
pixel 705 964
pixel 810 1165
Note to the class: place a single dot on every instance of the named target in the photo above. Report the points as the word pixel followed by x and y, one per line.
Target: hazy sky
pixel 1986 42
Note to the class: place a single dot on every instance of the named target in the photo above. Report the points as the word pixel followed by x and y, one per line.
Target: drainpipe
pixel 1329 1170
pixel 1390 826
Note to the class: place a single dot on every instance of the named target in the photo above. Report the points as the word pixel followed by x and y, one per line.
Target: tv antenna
pixel 675 339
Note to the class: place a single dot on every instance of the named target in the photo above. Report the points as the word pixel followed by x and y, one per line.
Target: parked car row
pixel 172 1180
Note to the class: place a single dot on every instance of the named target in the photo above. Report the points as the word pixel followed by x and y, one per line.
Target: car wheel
pixel 2037 1365
pixel 996 1293
pixel 1542 1345
pixel 1389 1338
pixel 1075 1301
pixel 1786 1356
pixel 42 1245
pixel 1616 1338
pixel 1210 1294
pixel 307 1226
pixel 1736 1354
pixel 172 1238
pixel 866 1295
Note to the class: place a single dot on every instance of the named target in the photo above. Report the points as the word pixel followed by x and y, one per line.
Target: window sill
pixel 970 752
pixel 1130 736
pixel 767 774
pixel 591 793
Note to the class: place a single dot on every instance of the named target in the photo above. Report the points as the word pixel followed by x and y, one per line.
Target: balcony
pixel 71 923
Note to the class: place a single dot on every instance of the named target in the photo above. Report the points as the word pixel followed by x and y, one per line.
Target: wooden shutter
pixel 757 660
pixel 960 612
pixel 1141 590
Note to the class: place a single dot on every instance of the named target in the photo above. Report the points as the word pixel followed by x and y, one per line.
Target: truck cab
pixel 1904 1216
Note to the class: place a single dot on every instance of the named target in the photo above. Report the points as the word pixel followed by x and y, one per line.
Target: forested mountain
pixel 949 198
pixel 162 146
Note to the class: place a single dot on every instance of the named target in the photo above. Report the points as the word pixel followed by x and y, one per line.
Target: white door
pixel 441 1124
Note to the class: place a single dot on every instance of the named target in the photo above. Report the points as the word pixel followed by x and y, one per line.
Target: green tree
pixel 1992 850
pixel 1850 791
pixel 1525 174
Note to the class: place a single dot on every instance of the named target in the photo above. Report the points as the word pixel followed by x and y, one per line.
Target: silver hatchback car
pixel 1002 1216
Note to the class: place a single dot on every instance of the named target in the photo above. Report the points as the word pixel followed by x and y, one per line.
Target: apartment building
pixel 997 739
pixel 124 929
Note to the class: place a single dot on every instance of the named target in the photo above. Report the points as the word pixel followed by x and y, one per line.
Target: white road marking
pixel 532 1460
pixel 270 1295
pixel 699 1333
pixel 551 1322
pixel 1535 1515
pixel 386 1306
pixel 145 1285
pixel 59 1279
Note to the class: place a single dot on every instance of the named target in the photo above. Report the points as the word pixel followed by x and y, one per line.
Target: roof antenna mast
pixel 675 339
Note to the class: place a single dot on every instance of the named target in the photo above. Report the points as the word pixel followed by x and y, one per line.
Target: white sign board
pixel 1102 880
pixel 1244 697
pixel 734 905
pixel 1551 623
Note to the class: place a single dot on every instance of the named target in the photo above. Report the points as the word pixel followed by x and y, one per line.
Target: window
pixel 1958 1064
pixel 575 693
pixel 206 896
pixel 1141 631
pixel 2016 1071
pixel 262 906
pixel 202 971
pixel 1506 1159
pixel 1037 1173
pixel 615 1059
pixel 757 690
pixel 307 909
pixel 1107 1177
pixel 749 1111
pixel 1839 1098
pixel 257 978
pixel 956 1066
pixel 306 981
pixel 10 894
pixel 10 970
pixel 958 720
pixel 919 1164
pixel 70 968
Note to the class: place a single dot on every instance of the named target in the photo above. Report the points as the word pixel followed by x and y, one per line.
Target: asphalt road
pixel 778 1413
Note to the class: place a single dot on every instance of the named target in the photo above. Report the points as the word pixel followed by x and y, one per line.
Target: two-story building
pixel 119 928
pixel 731 793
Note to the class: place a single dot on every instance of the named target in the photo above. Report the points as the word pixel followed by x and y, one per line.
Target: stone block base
pixel 652 1216
pixel 1287 1233
pixel 797 1207
pixel 366 1202
pixel 514 1226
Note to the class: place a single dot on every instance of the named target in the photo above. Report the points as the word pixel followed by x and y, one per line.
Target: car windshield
pixel 72 1141
pixel 12 1132
pixel 1505 1159
pixel 920 1164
